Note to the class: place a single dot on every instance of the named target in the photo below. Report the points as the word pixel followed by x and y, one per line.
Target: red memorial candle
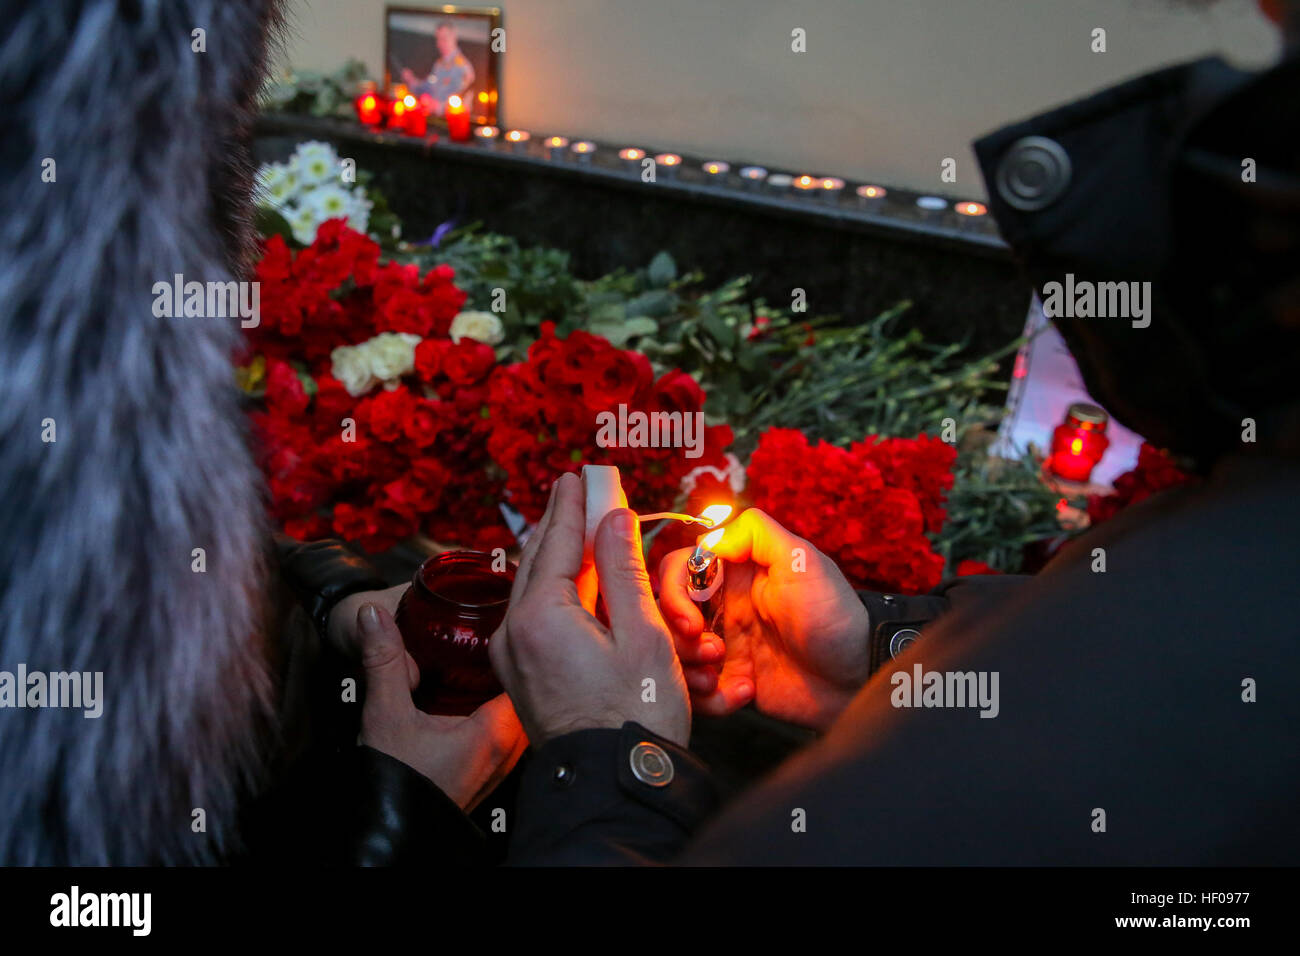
pixel 370 110
pixel 415 119
pixel 456 600
pixel 457 119
pixel 1079 442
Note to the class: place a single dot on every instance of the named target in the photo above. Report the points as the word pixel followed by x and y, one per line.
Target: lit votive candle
pixel 931 207
pixel 779 183
pixel 832 187
pixel 667 165
pixel 871 198
pixel 582 150
pixel 715 170
pixel 556 147
pixel 631 157
pixel 972 214
pixel 751 177
pixel 457 116
pixel 518 140
pixel 806 185
pixel 487 135
pixel 415 118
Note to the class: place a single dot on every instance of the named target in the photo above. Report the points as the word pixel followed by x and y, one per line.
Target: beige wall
pixel 885 91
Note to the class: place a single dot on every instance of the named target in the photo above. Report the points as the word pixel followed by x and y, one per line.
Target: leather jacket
pixel 327 799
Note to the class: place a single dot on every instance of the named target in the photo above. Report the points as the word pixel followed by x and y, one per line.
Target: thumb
pixel 383 655
pixel 624 583
pixel 757 536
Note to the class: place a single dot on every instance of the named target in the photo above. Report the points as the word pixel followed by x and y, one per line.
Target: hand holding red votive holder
pixel 454 604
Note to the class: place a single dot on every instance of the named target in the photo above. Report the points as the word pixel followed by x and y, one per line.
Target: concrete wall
pixel 885 91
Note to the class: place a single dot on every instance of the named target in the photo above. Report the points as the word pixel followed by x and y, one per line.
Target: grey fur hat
pixel 149 459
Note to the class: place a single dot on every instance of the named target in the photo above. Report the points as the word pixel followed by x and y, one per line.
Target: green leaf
pixel 269 222
pixel 662 270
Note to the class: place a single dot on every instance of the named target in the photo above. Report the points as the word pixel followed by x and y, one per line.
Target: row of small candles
pixel 405 113
pixel 826 188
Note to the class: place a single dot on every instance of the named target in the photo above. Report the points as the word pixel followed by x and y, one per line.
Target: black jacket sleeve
pixel 581 801
pixel 609 797
pixel 381 811
pixel 322 573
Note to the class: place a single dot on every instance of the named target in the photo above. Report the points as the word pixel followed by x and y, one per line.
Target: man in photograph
pixel 452 73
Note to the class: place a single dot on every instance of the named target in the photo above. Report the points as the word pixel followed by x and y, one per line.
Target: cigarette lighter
pixel 704 586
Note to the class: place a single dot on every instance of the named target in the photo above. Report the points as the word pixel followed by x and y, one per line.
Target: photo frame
pixel 439 51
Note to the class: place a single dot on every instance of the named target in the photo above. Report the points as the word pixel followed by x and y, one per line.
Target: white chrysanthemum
pixel 480 326
pixel 359 212
pixel 329 202
pixel 303 221
pixel 350 364
pixel 276 186
pixel 391 355
pixel 315 163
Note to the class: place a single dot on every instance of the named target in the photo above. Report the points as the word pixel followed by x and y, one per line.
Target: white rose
pixel 480 326
pixel 392 355
pixel 350 364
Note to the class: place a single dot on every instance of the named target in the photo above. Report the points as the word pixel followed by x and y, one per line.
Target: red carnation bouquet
pixel 868 507
pixel 377 425
pixel 368 463
pixel 545 417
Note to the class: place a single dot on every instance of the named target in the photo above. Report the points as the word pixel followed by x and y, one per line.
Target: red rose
pixel 424 423
pixel 284 391
pixel 467 361
pixel 428 358
pixel 388 412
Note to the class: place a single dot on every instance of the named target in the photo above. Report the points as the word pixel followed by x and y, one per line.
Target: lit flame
pixel 711 539
pixel 454 102
pixel 409 101
pixel 716 514
pixel 1076 446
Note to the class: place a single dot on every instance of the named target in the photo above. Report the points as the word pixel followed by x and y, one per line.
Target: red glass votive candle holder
pixel 454 604
pixel 1079 442
pixel 369 106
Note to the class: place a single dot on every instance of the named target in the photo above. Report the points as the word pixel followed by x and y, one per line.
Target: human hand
pixel 563 669
pixel 342 626
pixel 796 634
pixel 466 757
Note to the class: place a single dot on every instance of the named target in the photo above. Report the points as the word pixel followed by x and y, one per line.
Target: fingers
pixel 384 657
pixel 730 693
pixel 559 554
pixel 530 549
pixel 498 715
pixel 682 614
pixel 756 536
pixel 624 583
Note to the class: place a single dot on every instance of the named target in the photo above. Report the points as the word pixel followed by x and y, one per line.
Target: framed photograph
pixel 444 51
